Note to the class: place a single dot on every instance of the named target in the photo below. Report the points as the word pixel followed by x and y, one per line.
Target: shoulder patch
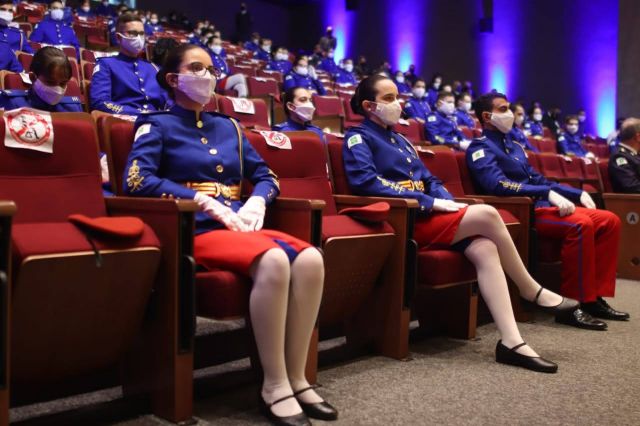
pixel 621 161
pixel 407 104
pixel 354 140
pixel 560 138
pixel 431 118
pixel 289 77
pixel 96 68
pixel 477 155
pixel 142 130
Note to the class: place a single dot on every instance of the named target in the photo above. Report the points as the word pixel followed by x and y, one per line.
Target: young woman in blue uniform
pixel 417 106
pixel 237 82
pixel 299 77
pixel 380 162
pixel 570 142
pixel 518 133
pixel 299 111
pixel 53 29
pixel 534 124
pixel 191 154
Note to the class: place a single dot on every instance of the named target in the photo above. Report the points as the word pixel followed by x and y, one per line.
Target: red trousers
pixel 590 240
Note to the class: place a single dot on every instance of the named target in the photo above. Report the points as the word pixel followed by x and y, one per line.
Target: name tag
pixel 28 128
pixel 242 105
pixel 276 139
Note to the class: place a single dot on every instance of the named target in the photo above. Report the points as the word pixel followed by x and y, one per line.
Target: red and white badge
pixel 242 105
pixel 28 128
pixel 276 139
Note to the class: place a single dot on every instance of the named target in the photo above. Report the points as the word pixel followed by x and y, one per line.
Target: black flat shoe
pixel 601 309
pixel 300 419
pixel 508 356
pixel 317 410
pixel 566 305
pixel 581 319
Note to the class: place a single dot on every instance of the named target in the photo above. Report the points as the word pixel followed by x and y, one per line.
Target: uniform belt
pixel 412 185
pixel 215 189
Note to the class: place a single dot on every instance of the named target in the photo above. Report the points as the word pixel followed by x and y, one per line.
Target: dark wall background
pixel 629 59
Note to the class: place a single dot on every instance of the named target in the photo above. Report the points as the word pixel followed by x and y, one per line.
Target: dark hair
pixel 485 104
pixel 171 64
pixel 515 106
pixel 299 58
pixel 2 2
pixel 570 117
pixel 48 58
pixel 125 18
pixel 161 49
pixel 419 80
pixel 366 91
pixel 442 94
pixel 461 96
pixel 629 128
pixel 435 76
pixel 289 96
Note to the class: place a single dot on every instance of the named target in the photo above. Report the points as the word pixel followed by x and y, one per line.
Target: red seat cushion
pixel 344 226
pixel 439 267
pixel 376 212
pixel 222 294
pixel 507 217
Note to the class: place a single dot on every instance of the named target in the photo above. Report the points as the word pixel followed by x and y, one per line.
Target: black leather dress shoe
pixel 566 305
pixel 508 356
pixel 300 419
pixel 318 410
pixel 601 309
pixel 580 319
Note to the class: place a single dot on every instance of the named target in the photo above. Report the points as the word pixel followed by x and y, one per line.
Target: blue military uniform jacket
pixel 262 55
pixel 55 32
pixel 282 66
pixel 517 135
pixel 402 87
pixel 16 38
pixel 8 60
pixel 417 108
pixel 125 85
pixel 251 46
pixel 293 79
pixel 535 127
pixel 345 77
pixel 499 166
pixel 442 130
pixel 571 145
pixel 432 97
pixel 175 155
pixel 463 118
pixel 328 65
pixel 292 126
pixel 381 162
pixel 219 62
pixel 88 15
pixel 624 170
pixel 150 29
pixel 13 99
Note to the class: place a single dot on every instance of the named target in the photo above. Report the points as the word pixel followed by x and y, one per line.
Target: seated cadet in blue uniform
pixel 8 59
pixel 380 162
pixel 299 110
pixel 105 9
pixel 253 44
pixel 53 30
pixel 624 164
pixel 328 64
pixel 15 37
pixel 417 106
pixel 190 154
pixel 264 52
pixel 280 61
pixel 517 133
pixel 237 82
pixel 153 25
pixel 570 141
pixel 402 86
pixel 52 73
pixel 84 11
pixel 125 84
pixel 441 127
pixel 500 167
pixel 345 75
pixel 582 120
pixel 299 77
pixel 534 124
pixel 463 116
pixel 434 90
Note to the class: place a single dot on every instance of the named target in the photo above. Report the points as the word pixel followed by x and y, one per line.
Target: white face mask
pixel 57 14
pixel 304 111
pixel 330 54
pixel 6 17
pixel 153 21
pixel 389 113
pixel 447 108
pixel 302 70
pixel 50 94
pixel 572 128
pixel 198 89
pixel 132 45
pixel 400 79
pixel 465 106
pixel 86 9
pixel 282 56
pixel 266 48
pixel 419 92
pixel 216 48
pixel 348 67
pixel 581 118
pixel 503 121
pixel 436 84
pixel 519 120
pixel 537 116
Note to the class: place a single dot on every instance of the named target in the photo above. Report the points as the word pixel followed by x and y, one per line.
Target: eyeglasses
pixel 199 69
pixel 134 33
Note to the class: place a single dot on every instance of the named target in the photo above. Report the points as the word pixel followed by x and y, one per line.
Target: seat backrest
pixel 603 165
pixel 468 133
pixel 534 142
pixel 532 158
pixel 410 129
pixel 48 187
pixel 601 151
pixel 468 186
pixel 328 106
pixel 25 60
pixel 547 145
pixel 116 137
pixel 444 166
pixel 276 75
pixel 349 114
pixel 13 81
pixel 87 69
pixel 302 170
pixel 263 86
pixel 550 165
pixel 572 167
pixel 339 177
pixel 259 118
pixel 247 70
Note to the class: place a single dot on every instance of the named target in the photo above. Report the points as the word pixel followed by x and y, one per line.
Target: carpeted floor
pixel 458 382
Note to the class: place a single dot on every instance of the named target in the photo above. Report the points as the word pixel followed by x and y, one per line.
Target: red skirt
pixel 437 230
pixel 236 251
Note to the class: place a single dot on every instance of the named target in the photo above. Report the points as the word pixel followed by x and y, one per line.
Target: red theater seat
pixel 258 119
pixel 329 113
pixel 411 130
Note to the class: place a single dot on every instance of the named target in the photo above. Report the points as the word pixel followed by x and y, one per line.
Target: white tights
pixel 237 82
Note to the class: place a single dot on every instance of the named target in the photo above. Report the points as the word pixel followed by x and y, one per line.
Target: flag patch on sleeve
pixel 354 140
pixel 477 155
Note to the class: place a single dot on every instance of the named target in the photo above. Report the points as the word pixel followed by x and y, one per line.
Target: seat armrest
pixel 301 218
pixel 343 201
pixel 469 200
pixel 632 198
pixel 7 208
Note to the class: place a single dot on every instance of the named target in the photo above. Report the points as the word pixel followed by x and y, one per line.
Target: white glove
pixel 464 144
pixel 442 205
pixel 104 169
pixel 220 212
pixel 252 213
pixel 587 201
pixel 566 207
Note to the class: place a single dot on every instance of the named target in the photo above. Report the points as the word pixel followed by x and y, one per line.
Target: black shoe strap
pixel 516 347
pixel 303 390
pixel 284 398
